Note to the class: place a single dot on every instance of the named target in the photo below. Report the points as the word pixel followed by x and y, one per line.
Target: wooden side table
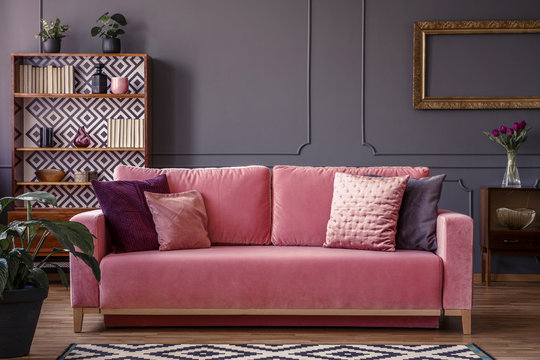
pixel 498 240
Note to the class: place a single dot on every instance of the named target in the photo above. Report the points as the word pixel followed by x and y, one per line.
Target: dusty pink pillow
pixel 180 220
pixel 364 212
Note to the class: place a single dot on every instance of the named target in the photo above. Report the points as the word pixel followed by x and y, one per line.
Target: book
pixel 70 80
pixel 19 75
pixel 141 133
pixel 45 80
pixel 39 73
pixel 61 80
pixel 136 139
pixel 109 133
pixel 49 79
pixel 117 135
pixel 129 129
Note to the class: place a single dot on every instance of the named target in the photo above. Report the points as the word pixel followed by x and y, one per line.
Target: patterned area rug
pixel 272 352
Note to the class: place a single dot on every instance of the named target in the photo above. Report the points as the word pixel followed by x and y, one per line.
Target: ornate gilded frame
pixel 422 29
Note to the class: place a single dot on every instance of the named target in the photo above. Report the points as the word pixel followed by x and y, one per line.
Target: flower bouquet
pixel 510 138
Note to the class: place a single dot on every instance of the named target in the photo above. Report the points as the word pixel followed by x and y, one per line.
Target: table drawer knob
pixel 511 241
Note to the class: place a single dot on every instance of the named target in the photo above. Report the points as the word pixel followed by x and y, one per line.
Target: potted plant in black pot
pixel 51 35
pixel 109 31
pixel 23 282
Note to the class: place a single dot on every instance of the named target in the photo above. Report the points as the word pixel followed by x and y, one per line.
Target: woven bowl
pixel 516 219
pixel 50 175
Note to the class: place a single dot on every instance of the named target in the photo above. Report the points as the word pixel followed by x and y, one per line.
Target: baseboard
pixel 509 277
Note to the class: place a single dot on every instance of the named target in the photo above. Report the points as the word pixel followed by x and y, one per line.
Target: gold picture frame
pixel 423 29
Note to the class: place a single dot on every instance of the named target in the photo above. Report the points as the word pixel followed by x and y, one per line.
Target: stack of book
pixel 46 80
pixel 125 133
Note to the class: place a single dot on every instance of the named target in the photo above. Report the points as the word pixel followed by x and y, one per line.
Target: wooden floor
pixel 505 323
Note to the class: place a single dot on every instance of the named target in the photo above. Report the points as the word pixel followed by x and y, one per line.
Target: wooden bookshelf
pixel 66 113
pixel 52 183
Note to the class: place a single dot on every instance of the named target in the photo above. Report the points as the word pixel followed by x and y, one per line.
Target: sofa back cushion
pixel 303 199
pixel 237 199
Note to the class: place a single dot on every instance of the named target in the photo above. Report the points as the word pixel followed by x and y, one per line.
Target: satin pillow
pixel 180 218
pixel 364 212
pixel 417 225
pixel 126 211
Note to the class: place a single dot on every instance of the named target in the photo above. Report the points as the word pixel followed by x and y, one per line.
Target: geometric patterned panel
pixel 67 115
pixel 272 352
pixel 68 196
pixel 103 162
pixel 131 67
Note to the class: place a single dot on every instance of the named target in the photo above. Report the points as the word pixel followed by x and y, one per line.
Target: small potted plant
pixel 51 35
pixel 23 282
pixel 109 31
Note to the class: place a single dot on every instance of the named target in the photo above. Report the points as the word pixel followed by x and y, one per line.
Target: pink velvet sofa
pixel 267 266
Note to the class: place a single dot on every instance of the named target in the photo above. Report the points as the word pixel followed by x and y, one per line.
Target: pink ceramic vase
pixel 119 85
pixel 82 139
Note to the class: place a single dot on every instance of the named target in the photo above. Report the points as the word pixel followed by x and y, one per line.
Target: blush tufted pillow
pixel 180 220
pixel 364 212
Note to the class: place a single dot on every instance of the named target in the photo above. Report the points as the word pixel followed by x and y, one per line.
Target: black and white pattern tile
pixel 272 352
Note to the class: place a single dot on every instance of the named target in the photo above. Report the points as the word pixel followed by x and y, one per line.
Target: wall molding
pixel 370 146
pixel 306 142
pixel 464 188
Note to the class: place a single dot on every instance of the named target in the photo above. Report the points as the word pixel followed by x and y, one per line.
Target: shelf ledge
pixel 35 95
pixel 76 149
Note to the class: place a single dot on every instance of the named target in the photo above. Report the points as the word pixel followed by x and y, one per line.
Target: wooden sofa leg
pixel 78 315
pixel 466 322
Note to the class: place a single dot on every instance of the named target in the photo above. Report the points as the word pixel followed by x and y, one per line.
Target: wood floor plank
pixel 505 323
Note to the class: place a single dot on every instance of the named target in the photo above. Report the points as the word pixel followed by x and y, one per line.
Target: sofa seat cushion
pixel 237 199
pixel 260 277
pixel 303 199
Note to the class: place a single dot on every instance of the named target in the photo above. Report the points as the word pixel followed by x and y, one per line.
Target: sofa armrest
pixel 84 287
pixel 455 247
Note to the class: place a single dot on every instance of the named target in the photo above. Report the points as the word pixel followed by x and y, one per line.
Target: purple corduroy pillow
pixel 127 214
pixel 417 223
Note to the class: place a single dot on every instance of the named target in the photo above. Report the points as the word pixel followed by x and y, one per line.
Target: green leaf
pixel 120 32
pixel 104 18
pixel 91 262
pixel 95 30
pixel 70 234
pixel 38 277
pixel 119 18
pixel 42 197
pixel 3 274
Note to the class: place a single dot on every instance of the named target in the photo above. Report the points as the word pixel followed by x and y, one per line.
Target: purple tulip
pixel 495 133
pixel 523 124
pixel 509 131
pixel 503 129
pixel 517 126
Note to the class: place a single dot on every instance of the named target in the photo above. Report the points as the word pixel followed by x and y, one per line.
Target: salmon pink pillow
pixel 364 212
pixel 180 218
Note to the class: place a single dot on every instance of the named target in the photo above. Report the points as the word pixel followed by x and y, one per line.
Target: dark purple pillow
pixel 417 223
pixel 126 213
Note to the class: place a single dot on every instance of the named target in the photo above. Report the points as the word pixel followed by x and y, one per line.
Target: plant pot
pixel 52 45
pixel 19 314
pixel 111 45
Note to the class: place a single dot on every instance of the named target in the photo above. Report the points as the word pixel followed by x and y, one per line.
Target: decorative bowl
pixel 50 175
pixel 516 219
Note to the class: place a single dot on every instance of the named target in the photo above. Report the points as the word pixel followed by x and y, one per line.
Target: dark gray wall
pixel 234 85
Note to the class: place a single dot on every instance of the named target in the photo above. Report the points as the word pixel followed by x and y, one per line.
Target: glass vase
pixel 511 175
